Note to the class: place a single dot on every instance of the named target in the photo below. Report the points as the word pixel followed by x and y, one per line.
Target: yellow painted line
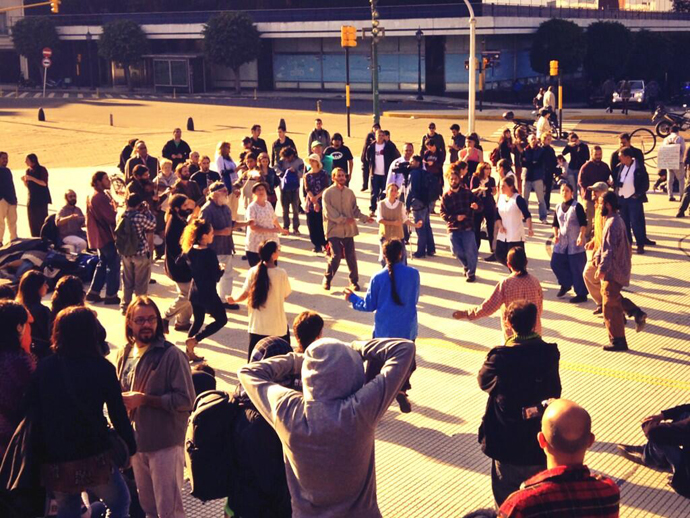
pixel 362 330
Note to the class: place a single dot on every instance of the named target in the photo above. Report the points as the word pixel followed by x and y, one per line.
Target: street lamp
pixel 419 35
pixel 375 34
pixel 89 37
pixel 472 94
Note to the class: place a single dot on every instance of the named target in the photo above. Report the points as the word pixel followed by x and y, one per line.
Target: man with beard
pixel 593 171
pixel 158 392
pixel 176 150
pixel 70 223
pixel 183 186
pixel 141 157
pixel 204 176
pixel 371 137
pixel 340 154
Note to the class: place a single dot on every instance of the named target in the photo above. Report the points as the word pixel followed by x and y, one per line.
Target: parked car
pixel 638 93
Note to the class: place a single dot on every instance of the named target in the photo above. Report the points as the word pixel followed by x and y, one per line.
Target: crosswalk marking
pixel 65 96
pixel 21 96
pixel 139 96
pixel 80 96
pixel 37 95
pixel 95 96
pixel 51 95
pixel 124 97
pixel 109 96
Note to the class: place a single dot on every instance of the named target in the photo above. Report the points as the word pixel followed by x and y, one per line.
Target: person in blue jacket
pixel 393 294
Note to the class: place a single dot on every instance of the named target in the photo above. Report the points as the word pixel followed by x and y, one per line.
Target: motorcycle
pixel 665 120
pixel 527 126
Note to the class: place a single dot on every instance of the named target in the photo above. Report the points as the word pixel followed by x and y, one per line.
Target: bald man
pixel 566 487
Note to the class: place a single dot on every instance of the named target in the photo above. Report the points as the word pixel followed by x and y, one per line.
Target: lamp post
pixel 89 37
pixel 419 35
pixel 472 94
pixel 375 32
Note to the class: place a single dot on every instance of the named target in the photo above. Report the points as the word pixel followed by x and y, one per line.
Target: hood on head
pixel 331 370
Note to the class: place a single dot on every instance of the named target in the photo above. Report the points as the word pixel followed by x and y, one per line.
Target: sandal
pixel 191 343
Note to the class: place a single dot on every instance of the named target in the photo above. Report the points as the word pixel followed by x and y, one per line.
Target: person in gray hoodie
pixel 328 429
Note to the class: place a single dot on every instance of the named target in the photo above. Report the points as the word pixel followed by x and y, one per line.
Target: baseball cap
pixel 315 144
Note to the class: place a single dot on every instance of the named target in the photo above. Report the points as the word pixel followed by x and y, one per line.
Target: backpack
pixel 290 180
pixel 495 156
pixel 126 237
pixel 209 445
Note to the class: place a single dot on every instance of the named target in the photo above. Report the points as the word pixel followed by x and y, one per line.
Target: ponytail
pixel 392 252
pixel 258 290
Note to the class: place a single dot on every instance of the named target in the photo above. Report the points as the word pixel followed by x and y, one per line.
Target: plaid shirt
pixel 453 204
pixel 143 223
pixel 564 491
pixel 512 288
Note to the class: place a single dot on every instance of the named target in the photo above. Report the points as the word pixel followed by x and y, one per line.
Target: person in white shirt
pixel 550 99
pixel 396 171
pixel 266 287
pixel 227 169
pixel 673 174
pixel 262 223
pixel 543 124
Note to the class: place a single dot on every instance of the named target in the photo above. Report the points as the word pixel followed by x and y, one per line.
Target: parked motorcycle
pixel 665 120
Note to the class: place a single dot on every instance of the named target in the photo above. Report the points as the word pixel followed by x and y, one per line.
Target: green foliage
pixel 31 34
pixel 608 49
pixel 681 6
pixel 231 39
pixel 558 39
pixel 122 41
pixel 650 56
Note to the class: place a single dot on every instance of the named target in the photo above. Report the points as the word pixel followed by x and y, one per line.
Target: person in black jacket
pixel 32 288
pixel 624 141
pixel 579 154
pixel 176 150
pixel 126 154
pixel 631 182
pixel 260 487
pixel 667 447
pixel 178 271
pixel 380 155
pixel 371 137
pixel 518 377
pixel 36 181
pixel 66 397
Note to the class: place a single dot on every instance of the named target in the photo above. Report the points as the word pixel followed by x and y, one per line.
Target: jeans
pixel 573 176
pixel 568 269
pixel 673 174
pixel 632 212
pixel 464 247
pixel 507 478
pixel 254 339
pixel 425 234
pixel 503 247
pixel 225 282
pixel 136 274
pixel 340 246
pixel 114 494
pixel 159 481
pixel 538 187
pixel 8 213
pixel 685 198
pixel 378 187
pixel 315 225
pixel 181 308
pixel 107 271
pixel 290 200
pixel 365 175
pixel 662 456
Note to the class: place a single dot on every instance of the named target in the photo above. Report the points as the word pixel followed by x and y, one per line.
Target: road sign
pixel 47 52
pixel 46 62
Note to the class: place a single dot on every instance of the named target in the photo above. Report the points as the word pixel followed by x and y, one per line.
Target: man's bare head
pixel 566 431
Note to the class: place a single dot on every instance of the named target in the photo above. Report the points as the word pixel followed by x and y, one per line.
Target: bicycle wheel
pixel 644 139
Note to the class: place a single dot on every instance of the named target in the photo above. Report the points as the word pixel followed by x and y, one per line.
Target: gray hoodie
pixel 328 430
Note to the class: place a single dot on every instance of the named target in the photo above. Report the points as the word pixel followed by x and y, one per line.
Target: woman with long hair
pixel 484 186
pixel 392 218
pixel 179 210
pixel 266 288
pixel 472 154
pixel 67 396
pixel 262 223
pixel 32 288
pixel 36 181
pixel 227 169
pixel 393 295
pixel 206 272
pixel 16 368
pixel 506 148
pixel 316 181
pixel 512 214
pixel 268 176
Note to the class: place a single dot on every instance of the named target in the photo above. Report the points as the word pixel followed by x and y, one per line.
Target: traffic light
pixel 486 63
pixel 348 36
pixel 553 67
pixel 55 6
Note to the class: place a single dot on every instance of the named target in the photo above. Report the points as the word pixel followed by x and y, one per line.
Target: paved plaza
pixel 428 462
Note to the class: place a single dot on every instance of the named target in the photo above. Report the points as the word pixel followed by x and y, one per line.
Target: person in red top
pixel 566 487
pixel 100 233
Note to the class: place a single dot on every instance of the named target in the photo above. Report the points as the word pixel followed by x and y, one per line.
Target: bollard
pixel 190 124
pixel 255 94
pixel 111 119
pixel 281 125
pixel 174 93
pixel 98 93
pixel 318 106
pixel 16 92
pixel 41 115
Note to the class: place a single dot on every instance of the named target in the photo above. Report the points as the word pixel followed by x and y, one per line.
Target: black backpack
pixel 431 189
pixel 209 445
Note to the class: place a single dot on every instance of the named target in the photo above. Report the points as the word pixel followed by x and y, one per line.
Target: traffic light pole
pixel 560 107
pixel 472 86
pixel 375 79
pixel 347 87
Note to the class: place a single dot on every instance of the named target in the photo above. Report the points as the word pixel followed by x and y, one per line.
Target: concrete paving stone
pixel 428 462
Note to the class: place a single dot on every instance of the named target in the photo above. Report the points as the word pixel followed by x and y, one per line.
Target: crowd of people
pixel 316 405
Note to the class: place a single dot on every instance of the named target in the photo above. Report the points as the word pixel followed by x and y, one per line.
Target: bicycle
pixel 643 139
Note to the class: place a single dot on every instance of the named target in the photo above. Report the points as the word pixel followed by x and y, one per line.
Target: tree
pixel 681 6
pixel 30 35
pixel 650 56
pixel 124 42
pixel 557 39
pixel 231 39
pixel 608 48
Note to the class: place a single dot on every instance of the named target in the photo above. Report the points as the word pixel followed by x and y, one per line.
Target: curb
pixel 463 113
